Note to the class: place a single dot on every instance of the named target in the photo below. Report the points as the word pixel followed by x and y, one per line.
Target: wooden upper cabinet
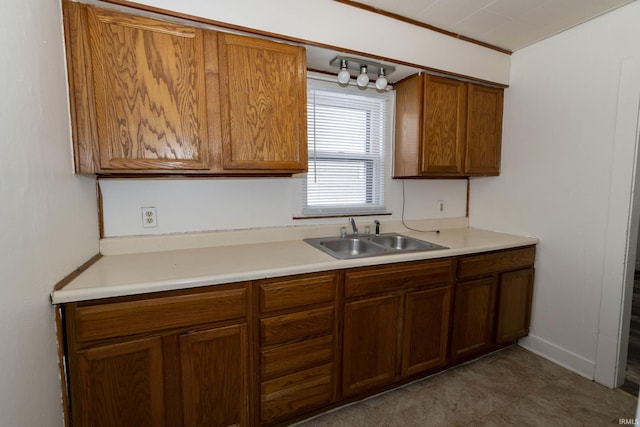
pixel 144 92
pixel 154 96
pixel 484 130
pixel 443 133
pixel 446 128
pixel 263 104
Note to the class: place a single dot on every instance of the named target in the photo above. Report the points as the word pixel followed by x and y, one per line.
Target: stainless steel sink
pixel 399 242
pixel 350 247
pixel 366 246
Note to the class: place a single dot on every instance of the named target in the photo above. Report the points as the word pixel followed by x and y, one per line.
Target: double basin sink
pixel 355 246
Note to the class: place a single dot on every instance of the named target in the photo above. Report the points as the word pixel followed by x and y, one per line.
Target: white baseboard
pixel 559 355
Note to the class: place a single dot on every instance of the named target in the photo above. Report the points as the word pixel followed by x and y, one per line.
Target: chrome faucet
pixel 353 226
pixel 377 223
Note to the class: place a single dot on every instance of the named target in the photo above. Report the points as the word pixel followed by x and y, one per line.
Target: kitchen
pixel 563 172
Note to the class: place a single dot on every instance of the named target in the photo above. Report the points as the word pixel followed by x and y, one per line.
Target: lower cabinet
pixel 426 329
pixel 370 347
pixel 493 298
pixel 214 377
pixel 270 351
pixel 120 384
pixel 396 322
pixel 297 342
pixel 192 374
pixel 514 305
pixel 473 317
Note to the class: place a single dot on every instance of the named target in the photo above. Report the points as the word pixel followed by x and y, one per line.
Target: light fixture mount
pixel 356 64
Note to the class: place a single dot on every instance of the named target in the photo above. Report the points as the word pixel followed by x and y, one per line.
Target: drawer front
pixel 296 393
pixel 372 280
pixel 478 265
pixel 148 315
pixel 297 326
pixel 283 294
pixel 295 357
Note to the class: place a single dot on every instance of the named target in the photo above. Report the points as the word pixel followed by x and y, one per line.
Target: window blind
pixel 346 144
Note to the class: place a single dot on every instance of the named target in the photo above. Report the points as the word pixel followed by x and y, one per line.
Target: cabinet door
pixel 443 131
pixel 120 385
pixel 263 103
pixel 484 130
pixel 408 126
pixel 426 330
pixel 514 305
pixel 214 377
pixel 473 316
pixel 149 89
pixel 370 343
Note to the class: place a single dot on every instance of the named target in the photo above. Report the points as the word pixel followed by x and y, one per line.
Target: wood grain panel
pixel 484 130
pixel 370 348
pixel 82 107
pixel 294 357
pixel 148 78
pixel 263 98
pixel 408 127
pixel 363 281
pixel 474 310
pixel 297 326
pixel 121 385
pixel 297 393
pixel 444 128
pixel 478 265
pixel 154 314
pixel 514 305
pixel 426 330
pixel 215 377
pixel 297 291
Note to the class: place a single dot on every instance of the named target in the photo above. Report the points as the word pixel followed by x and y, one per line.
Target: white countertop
pixel 139 273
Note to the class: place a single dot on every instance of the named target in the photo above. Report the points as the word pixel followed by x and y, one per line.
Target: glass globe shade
pixel 344 77
pixel 381 83
pixel 363 79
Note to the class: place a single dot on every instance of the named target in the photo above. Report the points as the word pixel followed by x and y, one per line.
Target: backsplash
pixel 191 205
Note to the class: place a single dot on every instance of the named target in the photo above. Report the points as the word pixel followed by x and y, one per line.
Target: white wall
pixel 224 204
pixel 556 182
pixel 48 220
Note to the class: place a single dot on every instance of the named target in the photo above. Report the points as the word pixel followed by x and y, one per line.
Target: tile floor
pixel 506 388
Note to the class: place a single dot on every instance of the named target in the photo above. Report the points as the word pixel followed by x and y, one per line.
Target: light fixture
pixel 381 83
pixel 364 67
pixel 343 75
pixel 363 77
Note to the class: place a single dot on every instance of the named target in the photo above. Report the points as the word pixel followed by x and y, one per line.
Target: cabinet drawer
pixel 297 393
pixel 371 280
pixel 154 314
pixel 282 294
pixel 294 357
pixel 296 326
pixel 478 265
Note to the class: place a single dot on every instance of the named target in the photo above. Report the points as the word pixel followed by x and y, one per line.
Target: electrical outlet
pixel 441 206
pixel 149 217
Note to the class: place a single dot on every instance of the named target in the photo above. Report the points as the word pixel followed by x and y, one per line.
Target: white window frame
pixel 380 164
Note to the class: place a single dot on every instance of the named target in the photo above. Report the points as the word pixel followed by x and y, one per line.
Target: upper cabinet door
pixel 149 92
pixel 445 112
pixel 484 130
pixel 263 104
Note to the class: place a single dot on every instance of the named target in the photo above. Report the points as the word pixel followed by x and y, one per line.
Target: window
pixel 347 131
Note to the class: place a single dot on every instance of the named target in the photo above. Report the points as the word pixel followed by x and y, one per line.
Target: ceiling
pixel 507 24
